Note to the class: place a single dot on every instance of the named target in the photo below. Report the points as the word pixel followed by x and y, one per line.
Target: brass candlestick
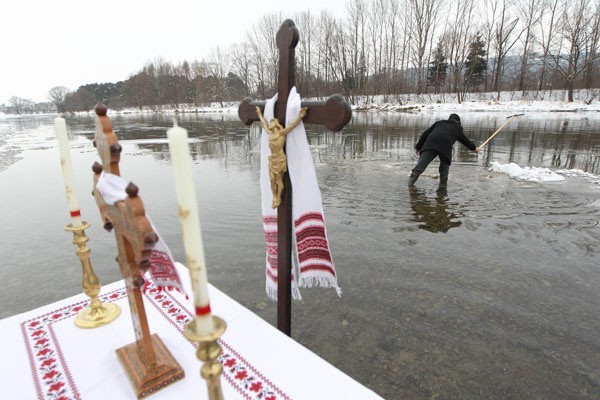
pixel 209 351
pixel 98 313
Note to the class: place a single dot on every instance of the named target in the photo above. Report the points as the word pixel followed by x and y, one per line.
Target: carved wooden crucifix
pixel 335 113
pixel 147 362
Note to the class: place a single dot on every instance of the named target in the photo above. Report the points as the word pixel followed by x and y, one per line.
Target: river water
pixel 486 291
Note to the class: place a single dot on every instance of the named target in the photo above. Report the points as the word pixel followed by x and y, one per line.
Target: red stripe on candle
pixel 203 310
pixel 76 213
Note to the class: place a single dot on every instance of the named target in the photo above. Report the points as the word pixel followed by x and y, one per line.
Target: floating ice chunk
pixel 532 174
pixel 580 174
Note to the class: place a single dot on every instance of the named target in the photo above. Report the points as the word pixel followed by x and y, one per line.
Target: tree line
pixel 382 47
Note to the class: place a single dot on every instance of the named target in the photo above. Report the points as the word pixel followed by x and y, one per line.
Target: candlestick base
pixel 93 318
pixel 98 313
pixel 209 351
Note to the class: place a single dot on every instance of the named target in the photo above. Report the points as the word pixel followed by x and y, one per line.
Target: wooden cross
pixel 147 362
pixel 335 113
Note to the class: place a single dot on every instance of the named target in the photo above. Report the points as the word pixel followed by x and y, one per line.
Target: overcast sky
pixel 76 42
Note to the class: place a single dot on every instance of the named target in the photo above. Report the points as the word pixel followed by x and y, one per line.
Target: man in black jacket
pixel 437 141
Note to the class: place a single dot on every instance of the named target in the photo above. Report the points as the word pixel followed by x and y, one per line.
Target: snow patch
pixel 532 174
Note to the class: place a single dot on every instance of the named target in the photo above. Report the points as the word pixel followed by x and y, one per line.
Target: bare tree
pixel 505 37
pixel 392 42
pixel 357 52
pixel 530 12
pixel 327 58
pixel 378 47
pixel 198 75
pixel 217 66
pixel 547 25
pixel 423 15
pixel 489 11
pixel 376 37
pixel 57 96
pixel 340 63
pixel 139 90
pixel 406 48
pixel 21 105
pixel 457 38
pixel 592 48
pixel 240 63
pixel 264 52
pixel 575 24
pixel 305 53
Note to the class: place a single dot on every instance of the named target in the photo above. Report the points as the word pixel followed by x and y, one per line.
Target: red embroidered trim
pixel 312 243
pixel 52 377
pixel 51 374
pixel 163 271
pixel 270 219
pixel 309 216
pixel 270 231
pixel 76 213
pixel 325 268
pixel 245 378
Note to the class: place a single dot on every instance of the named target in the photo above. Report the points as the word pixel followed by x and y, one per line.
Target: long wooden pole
pixel 287 38
pixel 498 130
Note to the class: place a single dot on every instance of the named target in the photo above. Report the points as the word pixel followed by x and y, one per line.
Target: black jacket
pixel 441 136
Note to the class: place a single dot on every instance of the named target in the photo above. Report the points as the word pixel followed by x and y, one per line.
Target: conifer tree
pixel 438 68
pixel 476 66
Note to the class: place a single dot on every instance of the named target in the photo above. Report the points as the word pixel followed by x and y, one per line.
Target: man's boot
pixel 443 181
pixel 413 178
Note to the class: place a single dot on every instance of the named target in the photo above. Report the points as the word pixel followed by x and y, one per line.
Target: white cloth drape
pixel 162 266
pixel 312 264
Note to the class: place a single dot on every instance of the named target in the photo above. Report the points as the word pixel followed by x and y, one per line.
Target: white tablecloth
pixel 45 356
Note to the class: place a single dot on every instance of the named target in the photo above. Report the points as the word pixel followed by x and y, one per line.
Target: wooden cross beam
pixel 335 113
pixel 147 362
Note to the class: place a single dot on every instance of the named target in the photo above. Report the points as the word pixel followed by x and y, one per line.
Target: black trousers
pixel 426 157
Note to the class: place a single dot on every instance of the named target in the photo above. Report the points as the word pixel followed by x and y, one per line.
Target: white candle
pixel 65 161
pixel 190 225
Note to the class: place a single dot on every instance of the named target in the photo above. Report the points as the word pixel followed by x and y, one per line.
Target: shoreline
pixel 550 101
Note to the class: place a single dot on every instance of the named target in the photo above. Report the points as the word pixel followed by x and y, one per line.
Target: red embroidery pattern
pixel 51 374
pixel 163 271
pixel 240 374
pixel 50 370
pixel 270 230
pixel 313 250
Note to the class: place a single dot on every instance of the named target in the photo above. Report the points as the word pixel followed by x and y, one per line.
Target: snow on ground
pixel 513 102
pixel 554 101
pixel 508 102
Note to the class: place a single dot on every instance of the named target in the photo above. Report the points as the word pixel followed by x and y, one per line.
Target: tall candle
pixel 190 225
pixel 60 127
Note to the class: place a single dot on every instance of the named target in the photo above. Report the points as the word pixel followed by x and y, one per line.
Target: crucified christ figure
pixel 278 159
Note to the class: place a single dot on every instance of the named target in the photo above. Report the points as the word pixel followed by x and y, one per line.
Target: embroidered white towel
pixel 162 267
pixel 312 264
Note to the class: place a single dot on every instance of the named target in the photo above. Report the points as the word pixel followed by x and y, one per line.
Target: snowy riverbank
pixel 507 102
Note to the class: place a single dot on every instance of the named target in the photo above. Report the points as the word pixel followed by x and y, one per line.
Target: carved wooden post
pixel 335 113
pixel 147 362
